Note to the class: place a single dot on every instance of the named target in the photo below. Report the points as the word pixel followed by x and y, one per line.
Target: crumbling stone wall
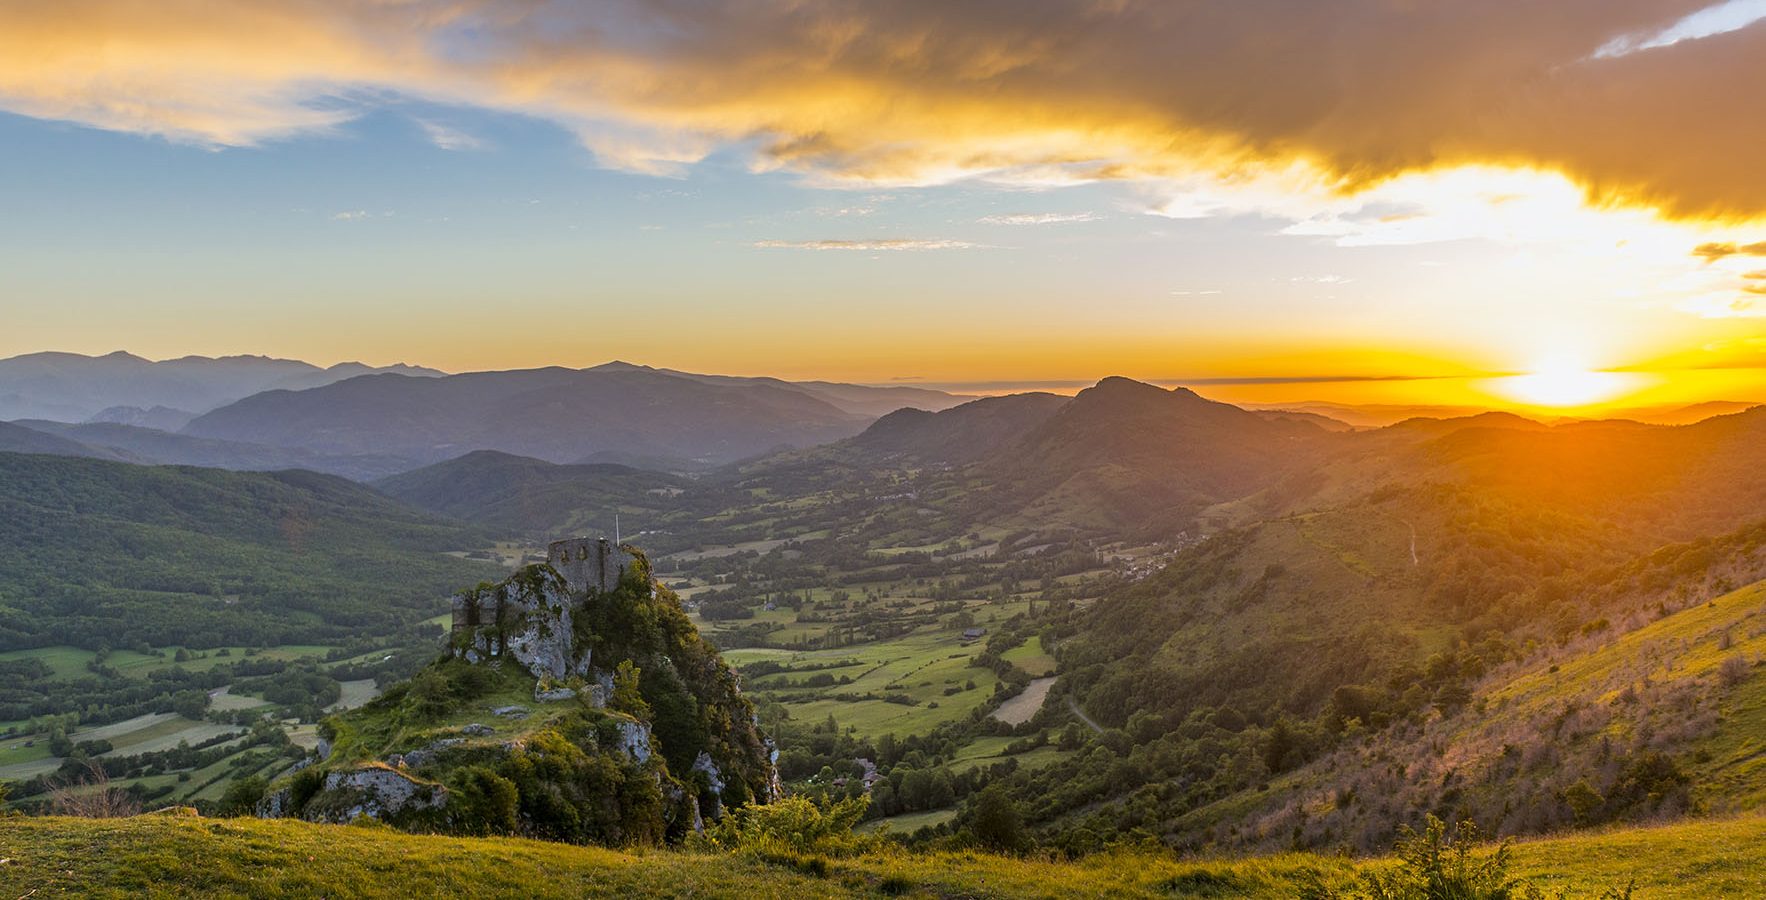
pixel 589 563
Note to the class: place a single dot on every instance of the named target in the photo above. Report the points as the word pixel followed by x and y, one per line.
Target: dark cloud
pixel 918 91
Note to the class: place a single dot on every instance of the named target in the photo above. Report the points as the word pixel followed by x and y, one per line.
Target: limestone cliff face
pixel 529 619
pixel 520 727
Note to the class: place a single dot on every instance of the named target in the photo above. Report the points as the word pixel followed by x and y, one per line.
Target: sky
pixel 1502 202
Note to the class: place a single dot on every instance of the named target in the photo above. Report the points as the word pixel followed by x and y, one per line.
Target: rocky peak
pixel 540 651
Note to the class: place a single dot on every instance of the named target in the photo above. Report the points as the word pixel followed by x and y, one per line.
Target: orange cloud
pixel 1711 251
pixel 1350 94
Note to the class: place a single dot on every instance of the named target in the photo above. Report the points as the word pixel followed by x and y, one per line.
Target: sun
pixel 1564 383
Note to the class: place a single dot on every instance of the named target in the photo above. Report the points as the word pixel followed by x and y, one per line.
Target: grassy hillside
pixel 97 553
pixel 1618 725
pixel 169 855
pixel 515 495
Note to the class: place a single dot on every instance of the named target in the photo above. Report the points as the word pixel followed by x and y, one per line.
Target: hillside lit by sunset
pixel 883 448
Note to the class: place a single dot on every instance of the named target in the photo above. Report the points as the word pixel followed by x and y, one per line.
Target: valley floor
pixel 174 855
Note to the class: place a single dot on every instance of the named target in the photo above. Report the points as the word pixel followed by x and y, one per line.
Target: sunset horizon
pixel 430 184
pixel 1547 393
pixel 883 448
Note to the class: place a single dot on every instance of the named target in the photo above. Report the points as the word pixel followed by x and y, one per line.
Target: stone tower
pixel 588 563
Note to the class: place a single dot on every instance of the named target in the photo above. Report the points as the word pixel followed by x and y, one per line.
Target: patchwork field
pixel 215 745
pixel 908 685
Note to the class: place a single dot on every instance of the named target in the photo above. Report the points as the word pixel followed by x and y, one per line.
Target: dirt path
pixel 1073 705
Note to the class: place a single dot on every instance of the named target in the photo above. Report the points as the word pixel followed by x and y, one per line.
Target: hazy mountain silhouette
pixel 70 387
pixel 555 414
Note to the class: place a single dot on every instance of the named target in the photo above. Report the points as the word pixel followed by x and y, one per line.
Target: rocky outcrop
pixel 583 771
pixel 528 618
pixel 714 782
pixel 378 792
pixel 634 740
pixel 275 804
pixel 424 755
pixel 375 791
pixel 552 695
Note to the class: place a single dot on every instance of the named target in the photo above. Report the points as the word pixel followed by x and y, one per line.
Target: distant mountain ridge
pixel 150 446
pixel 159 418
pixel 16 438
pixel 1379 415
pixel 959 434
pixel 858 399
pixel 254 412
pixel 615 411
pixel 71 387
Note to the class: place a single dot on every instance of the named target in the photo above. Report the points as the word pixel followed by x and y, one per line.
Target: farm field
pixel 920 667
pixel 987 751
pixel 1023 707
pixel 216 742
pixel 1031 658
pixel 914 637
pixel 908 823
pixel 72 662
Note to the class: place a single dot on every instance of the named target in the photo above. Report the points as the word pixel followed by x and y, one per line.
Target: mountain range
pixel 256 413
pixel 611 413
pixel 122 387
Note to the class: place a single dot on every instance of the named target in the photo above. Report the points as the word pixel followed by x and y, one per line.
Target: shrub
pixel 627 697
pixel 482 802
pixel 303 787
pixel 1733 670
pixel 92 797
pixel 1435 865
pixel 242 796
pixel 995 823
pixel 793 827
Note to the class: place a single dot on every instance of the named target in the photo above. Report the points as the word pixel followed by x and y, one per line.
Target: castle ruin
pixel 588 563
pixel 585 563
pixel 528 617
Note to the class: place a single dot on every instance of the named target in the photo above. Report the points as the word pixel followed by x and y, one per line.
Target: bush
pixel 242 796
pixel 995 823
pixel 793 827
pixel 1437 865
pixel 627 695
pixel 1733 670
pixel 482 802
pixel 303 786
pixel 1434 865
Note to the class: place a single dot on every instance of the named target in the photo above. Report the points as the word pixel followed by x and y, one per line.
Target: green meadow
pixel 173 855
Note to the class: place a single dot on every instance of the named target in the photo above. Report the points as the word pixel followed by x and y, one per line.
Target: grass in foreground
pixel 170 855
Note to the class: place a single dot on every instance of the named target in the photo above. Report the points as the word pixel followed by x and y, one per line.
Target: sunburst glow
pixel 1566 384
